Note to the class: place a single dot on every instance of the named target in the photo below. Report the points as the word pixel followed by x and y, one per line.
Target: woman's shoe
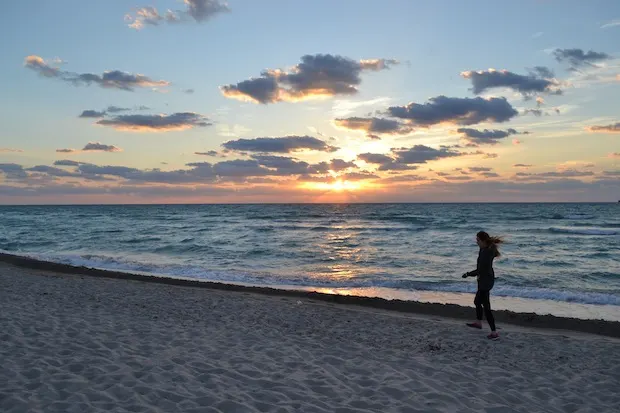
pixel 493 336
pixel 475 325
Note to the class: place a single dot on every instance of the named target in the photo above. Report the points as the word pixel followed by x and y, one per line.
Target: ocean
pixel 564 253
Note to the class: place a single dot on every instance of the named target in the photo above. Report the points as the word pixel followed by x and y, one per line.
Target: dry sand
pixel 71 343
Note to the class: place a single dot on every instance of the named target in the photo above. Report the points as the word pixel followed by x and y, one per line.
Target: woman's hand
pixel 465 275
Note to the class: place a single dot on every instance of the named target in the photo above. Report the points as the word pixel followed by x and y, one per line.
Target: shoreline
pixel 541 321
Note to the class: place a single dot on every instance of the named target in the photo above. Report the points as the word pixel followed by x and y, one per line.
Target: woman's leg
pixel 478 303
pixel 486 303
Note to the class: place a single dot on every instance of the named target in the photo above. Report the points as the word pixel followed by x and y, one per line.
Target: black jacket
pixel 484 268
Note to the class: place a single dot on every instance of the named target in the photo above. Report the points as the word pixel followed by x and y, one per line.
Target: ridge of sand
pixel 72 343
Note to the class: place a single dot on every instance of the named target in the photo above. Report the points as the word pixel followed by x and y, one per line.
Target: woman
pixel 486 278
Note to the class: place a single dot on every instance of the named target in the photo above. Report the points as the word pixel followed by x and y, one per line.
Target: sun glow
pixel 335 186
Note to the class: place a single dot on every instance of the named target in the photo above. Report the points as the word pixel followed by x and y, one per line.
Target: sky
pixel 206 101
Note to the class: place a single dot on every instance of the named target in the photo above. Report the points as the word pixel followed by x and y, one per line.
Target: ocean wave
pixel 585 230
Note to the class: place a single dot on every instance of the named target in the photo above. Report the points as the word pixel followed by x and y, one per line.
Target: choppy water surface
pixel 563 252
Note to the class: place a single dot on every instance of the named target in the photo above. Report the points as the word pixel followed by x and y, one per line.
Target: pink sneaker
pixel 475 325
pixel 493 336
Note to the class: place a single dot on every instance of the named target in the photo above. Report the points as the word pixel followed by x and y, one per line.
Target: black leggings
pixel 482 301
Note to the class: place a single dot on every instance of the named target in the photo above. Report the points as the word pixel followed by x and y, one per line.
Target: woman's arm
pixel 473 273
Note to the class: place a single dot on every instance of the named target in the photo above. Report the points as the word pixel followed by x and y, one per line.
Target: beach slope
pixel 74 343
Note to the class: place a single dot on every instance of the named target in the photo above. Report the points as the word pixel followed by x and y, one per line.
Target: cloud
pixel 317 75
pixel 66 150
pixel 67 162
pixel 422 154
pixel 373 126
pixel 485 137
pixel 539 80
pixel 284 144
pixel 208 153
pixel 96 146
pixel 92 114
pixel 6 150
pixel 612 23
pixel 283 164
pixel 568 173
pixel 613 128
pixel 13 171
pixel 112 79
pixel 403 178
pixel 189 91
pixel 479 169
pixel 522 165
pixel 456 111
pixel 117 109
pixel 385 162
pixel 614 155
pixel 611 173
pixel 358 176
pixel 241 168
pixel 577 57
pixel 52 171
pixel 156 123
pixel 197 10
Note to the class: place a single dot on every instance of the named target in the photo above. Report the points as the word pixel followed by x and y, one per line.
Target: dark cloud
pixel 479 169
pixel 532 83
pixel 91 114
pixel 241 167
pixel 96 146
pixel 196 10
pixel 458 111
pixel 200 172
pixel 66 150
pixel 613 128
pixel 13 171
pixel 117 109
pixel 67 162
pixel 113 79
pixel 485 137
pixel 373 126
pixel 568 173
pixel 490 175
pixel 522 165
pixel 110 109
pixel 403 178
pixel 284 144
pixel 9 150
pixel 385 162
pixel 156 123
pixel 419 154
pixel 316 75
pixel 208 153
pixel 284 165
pixel 189 91
pixel 52 171
pixel 579 57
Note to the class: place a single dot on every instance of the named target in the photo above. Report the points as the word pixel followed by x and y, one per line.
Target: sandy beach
pixel 80 343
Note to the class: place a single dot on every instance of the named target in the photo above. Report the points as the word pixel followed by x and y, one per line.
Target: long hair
pixel 492 242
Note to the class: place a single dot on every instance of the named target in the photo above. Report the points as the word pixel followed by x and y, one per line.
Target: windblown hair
pixel 492 242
